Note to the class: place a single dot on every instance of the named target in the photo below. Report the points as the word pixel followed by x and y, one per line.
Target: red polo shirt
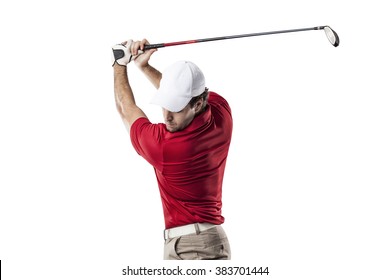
pixel 189 164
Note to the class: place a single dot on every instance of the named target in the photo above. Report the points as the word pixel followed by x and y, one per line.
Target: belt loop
pixel 197 228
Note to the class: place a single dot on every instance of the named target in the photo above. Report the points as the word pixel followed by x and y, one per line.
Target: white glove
pixel 121 53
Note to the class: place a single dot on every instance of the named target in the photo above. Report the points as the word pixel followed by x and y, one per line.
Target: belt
pixel 187 229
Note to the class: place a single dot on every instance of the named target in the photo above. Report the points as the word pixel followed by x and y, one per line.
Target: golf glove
pixel 121 53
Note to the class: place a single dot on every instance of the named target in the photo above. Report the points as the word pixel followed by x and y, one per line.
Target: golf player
pixel 188 151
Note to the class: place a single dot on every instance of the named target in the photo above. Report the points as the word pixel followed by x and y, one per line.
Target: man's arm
pixel 153 75
pixel 142 62
pixel 124 98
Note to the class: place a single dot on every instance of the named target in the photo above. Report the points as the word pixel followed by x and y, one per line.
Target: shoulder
pixel 215 96
pixel 216 100
pixel 144 126
pixel 148 139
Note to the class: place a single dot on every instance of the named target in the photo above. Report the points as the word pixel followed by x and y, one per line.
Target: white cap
pixel 180 82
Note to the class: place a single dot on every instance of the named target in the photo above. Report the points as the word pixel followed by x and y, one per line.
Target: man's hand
pixel 141 58
pixel 121 53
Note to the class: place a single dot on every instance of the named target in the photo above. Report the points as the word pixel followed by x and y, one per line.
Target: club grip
pixel 153 46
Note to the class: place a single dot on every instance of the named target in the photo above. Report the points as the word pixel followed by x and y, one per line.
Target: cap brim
pixel 171 102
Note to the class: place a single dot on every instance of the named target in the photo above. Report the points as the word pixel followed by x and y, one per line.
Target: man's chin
pixel 171 128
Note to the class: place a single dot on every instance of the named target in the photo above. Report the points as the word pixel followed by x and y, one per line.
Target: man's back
pixel 190 163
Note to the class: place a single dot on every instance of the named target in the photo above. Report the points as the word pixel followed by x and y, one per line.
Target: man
pixel 188 152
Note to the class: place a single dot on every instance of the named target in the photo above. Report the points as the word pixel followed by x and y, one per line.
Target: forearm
pixel 124 97
pixel 123 93
pixel 153 75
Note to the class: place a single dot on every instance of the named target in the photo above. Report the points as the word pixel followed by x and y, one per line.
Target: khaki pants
pixel 211 244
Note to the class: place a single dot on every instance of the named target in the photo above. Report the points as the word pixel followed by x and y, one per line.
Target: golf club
pixel 329 32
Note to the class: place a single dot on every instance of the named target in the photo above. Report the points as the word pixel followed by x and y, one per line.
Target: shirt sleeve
pixel 147 140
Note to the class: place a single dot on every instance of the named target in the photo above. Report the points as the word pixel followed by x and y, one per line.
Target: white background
pixel 305 189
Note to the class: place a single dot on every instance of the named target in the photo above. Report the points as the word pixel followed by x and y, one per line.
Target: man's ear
pixel 199 105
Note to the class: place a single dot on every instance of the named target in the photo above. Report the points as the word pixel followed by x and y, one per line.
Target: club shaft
pixel 162 45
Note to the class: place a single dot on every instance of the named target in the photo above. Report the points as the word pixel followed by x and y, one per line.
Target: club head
pixel 332 36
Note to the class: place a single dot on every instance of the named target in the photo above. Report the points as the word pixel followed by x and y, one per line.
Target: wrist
pixel 144 68
pixel 119 67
